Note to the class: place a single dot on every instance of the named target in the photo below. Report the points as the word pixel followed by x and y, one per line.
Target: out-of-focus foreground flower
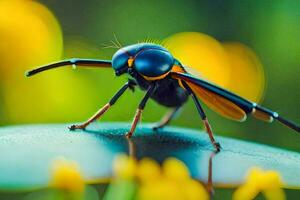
pixel 146 179
pixel 66 176
pixel 267 182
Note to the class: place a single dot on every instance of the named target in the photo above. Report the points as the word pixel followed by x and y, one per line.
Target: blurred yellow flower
pixel 148 170
pixel 171 181
pixel 125 167
pixel 66 176
pixel 30 35
pixel 248 78
pixel 267 182
pixel 175 170
pixel 231 65
pixel 203 54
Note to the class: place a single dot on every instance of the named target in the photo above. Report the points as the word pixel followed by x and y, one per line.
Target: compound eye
pixel 153 62
pixel 119 60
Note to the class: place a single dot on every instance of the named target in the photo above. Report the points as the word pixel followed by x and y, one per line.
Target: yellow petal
pixel 148 170
pixel 264 179
pixel 164 189
pixel 268 182
pixel 195 191
pixel 175 169
pixel 271 180
pixel 274 194
pixel 66 176
pixel 125 167
pixel 245 192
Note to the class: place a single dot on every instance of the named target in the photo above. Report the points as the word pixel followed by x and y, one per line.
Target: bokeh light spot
pixel 248 78
pixel 231 65
pixel 203 54
pixel 30 36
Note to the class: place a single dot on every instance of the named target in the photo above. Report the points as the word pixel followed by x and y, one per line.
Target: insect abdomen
pixel 169 93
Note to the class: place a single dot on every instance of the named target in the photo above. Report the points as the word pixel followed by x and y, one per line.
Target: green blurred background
pixel 270 28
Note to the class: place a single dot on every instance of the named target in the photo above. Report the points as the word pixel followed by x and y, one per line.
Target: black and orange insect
pixel 165 80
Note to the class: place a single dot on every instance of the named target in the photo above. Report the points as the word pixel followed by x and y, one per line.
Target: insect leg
pixel 203 117
pixel 167 118
pixel 140 109
pixel 130 84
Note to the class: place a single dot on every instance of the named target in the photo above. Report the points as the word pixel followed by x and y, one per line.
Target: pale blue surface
pixel 26 153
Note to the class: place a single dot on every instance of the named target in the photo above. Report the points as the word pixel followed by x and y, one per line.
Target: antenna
pixel 73 62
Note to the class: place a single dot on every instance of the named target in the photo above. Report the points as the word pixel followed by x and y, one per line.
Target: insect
pixel 165 80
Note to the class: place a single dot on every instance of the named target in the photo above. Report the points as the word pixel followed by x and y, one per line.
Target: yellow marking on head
pixel 130 62
pixel 148 78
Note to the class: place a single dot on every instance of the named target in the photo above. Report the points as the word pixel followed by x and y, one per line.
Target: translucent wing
pixel 216 102
pixel 228 104
pixel 219 104
pixel 231 65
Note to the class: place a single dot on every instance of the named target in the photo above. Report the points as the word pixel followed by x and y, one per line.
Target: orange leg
pixel 130 84
pixel 135 121
pixel 141 107
pixel 211 135
pixel 93 118
pixel 203 117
